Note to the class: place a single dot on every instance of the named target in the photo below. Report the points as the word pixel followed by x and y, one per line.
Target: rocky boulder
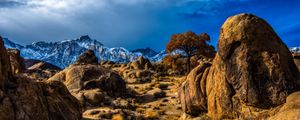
pixel 88 57
pixel 141 63
pixel 82 80
pixel 192 92
pixel 139 71
pixel 44 66
pixel 17 62
pixel 252 69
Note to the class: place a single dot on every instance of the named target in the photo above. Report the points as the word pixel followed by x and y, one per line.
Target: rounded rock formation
pixel 91 81
pixel 192 92
pixel 88 57
pixel 253 67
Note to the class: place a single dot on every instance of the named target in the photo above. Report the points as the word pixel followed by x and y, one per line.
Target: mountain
pixel 147 52
pixel 66 52
pixel 295 49
pixel 10 44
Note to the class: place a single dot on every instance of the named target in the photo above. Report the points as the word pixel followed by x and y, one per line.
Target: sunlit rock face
pixel 253 67
pixel 252 71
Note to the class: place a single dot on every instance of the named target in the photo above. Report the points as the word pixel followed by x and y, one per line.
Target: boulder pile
pixel 139 71
pixel 90 83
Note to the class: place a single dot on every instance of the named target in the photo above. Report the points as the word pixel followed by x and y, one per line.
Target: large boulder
pixel 139 71
pixel 252 69
pixel 39 101
pixel 17 62
pixel 23 99
pixel 82 80
pixel 141 63
pixel 192 92
pixel 88 57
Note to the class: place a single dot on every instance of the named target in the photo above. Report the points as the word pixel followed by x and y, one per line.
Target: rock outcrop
pixel 42 71
pixel 139 71
pixel 88 57
pixel 86 77
pixel 253 67
pixel 192 92
pixel 5 67
pixel 91 84
pixel 250 77
pixel 23 99
pixel 17 62
pixel 44 66
pixel 141 63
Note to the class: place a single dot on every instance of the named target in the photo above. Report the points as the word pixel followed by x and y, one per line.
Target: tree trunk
pixel 188 64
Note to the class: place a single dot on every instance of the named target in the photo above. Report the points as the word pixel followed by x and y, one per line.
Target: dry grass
pixel 151 114
pixel 117 117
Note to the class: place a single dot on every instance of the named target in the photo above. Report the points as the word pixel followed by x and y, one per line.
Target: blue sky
pixel 138 23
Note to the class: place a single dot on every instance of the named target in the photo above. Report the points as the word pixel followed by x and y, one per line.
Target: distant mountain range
pixel 66 52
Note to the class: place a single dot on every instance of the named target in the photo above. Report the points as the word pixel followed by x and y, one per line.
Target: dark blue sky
pixel 138 23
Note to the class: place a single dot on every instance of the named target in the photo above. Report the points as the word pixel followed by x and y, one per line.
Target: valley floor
pixel 157 99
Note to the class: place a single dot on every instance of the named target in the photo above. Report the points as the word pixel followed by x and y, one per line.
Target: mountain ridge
pixel 64 53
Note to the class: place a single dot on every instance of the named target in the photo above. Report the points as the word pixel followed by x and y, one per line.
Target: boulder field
pixel 251 76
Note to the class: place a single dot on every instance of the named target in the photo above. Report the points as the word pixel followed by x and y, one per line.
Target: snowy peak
pixel 10 44
pixel 147 52
pixel 295 49
pixel 66 52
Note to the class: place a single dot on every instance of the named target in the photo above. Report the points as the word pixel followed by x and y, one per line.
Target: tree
pixel 191 44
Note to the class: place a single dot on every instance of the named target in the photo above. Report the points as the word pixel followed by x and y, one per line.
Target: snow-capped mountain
pixel 66 52
pixel 147 52
pixel 159 56
pixel 10 44
pixel 295 49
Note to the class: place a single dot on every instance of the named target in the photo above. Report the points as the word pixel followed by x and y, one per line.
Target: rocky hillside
pixel 23 98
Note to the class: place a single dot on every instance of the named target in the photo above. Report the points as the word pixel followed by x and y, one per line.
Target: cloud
pixel 11 3
pixel 128 23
